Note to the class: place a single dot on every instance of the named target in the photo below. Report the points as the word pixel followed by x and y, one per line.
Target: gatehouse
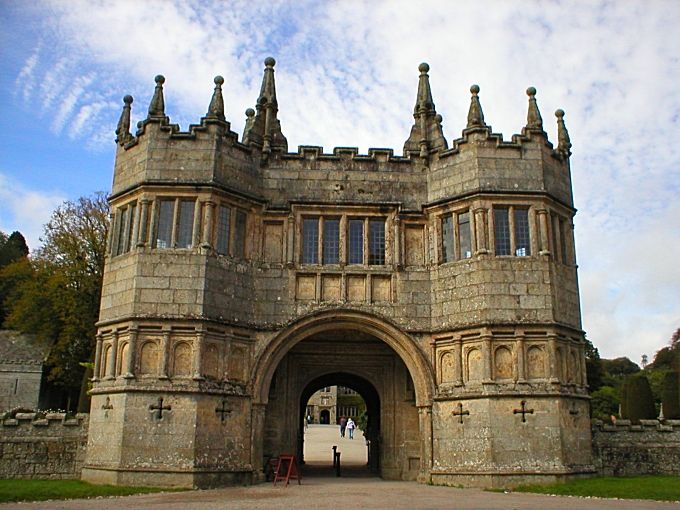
pixel 441 285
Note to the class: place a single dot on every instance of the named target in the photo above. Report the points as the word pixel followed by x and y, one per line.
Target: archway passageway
pixel 343 353
pixel 315 446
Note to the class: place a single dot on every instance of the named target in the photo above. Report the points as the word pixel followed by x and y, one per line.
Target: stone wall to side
pixel 623 449
pixel 37 447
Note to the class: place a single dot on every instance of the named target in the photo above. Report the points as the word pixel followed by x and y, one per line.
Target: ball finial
pixel 531 91
pixel 128 99
pixel 474 89
pixel 250 112
pixel 559 113
pixel 424 67
pixel 219 80
pixel 438 118
pixel 269 62
pixel 160 79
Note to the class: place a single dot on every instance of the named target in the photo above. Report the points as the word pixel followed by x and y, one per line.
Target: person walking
pixel 350 427
pixel 343 425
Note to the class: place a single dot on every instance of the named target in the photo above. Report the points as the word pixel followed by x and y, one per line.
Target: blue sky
pixel 347 74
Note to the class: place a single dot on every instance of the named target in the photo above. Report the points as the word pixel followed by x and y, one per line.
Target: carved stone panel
pixel 148 358
pixel 108 352
pixel 448 368
pixel 356 288
pixel 330 287
pixel 181 360
pixel 381 288
pixel 273 242
pixel 211 361
pixel 503 363
pixel 572 367
pixel 474 365
pixel 238 363
pixel 306 287
pixel 123 359
pixel 535 363
pixel 414 249
pixel 559 360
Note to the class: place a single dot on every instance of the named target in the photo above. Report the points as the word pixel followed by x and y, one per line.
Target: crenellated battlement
pixel 262 130
pixel 40 419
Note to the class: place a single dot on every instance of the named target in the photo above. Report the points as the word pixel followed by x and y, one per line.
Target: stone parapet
pixel 41 446
pixel 649 448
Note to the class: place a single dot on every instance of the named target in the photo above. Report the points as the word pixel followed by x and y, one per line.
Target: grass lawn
pixel 661 488
pixel 41 490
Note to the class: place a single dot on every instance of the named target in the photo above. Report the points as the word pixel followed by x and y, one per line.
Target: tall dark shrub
pixel 623 400
pixel 639 401
pixel 670 396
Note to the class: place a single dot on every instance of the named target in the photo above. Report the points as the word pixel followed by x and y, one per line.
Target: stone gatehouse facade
pixel 241 278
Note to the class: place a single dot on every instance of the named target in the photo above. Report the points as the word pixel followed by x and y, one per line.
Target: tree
pixel 593 366
pixel 58 296
pixel 637 399
pixel 668 357
pixel 12 248
pixel 604 403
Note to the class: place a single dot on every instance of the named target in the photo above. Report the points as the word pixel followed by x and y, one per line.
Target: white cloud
pixel 347 75
pixel 26 210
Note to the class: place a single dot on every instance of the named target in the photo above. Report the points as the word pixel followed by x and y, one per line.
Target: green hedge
pixel 637 399
pixel 670 396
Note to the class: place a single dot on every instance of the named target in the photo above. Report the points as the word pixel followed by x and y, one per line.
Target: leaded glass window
pixel 239 234
pixel 501 231
pixel 223 219
pixel 464 236
pixel 376 242
pixel 522 242
pixel 132 208
pixel 120 230
pixel 447 239
pixel 331 241
pixel 166 212
pixel 310 241
pixel 185 224
pixel 355 253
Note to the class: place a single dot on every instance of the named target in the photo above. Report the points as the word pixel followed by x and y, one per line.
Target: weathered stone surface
pixel 226 304
pixel 38 447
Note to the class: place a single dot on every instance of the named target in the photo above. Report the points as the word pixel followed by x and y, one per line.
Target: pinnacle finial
pixel 123 129
pixel 157 105
pixel 265 128
pixel 563 141
pixel 216 108
pixel 426 133
pixel 424 102
pixel 534 120
pixel 250 120
pixel 475 114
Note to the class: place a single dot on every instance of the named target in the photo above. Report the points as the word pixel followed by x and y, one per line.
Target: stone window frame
pixel 123 227
pixel 560 240
pixel 455 243
pixel 512 231
pixel 237 239
pixel 177 222
pixel 344 217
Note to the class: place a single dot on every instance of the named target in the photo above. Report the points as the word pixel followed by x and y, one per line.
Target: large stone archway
pixel 360 345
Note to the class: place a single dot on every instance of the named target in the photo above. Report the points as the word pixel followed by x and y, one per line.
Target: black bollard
pixel 337 463
pixel 335 449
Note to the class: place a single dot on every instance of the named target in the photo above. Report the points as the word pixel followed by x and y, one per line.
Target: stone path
pixel 321 490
